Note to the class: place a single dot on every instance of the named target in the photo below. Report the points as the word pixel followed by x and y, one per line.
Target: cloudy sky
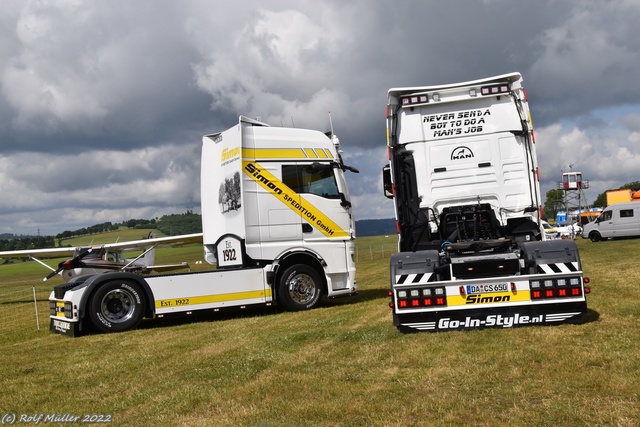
pixel 103 103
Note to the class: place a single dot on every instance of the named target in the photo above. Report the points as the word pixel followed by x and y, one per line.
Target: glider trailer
pixel 464 178
pixel 277 223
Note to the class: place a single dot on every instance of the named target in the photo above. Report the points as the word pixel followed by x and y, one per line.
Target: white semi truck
pixel 277 223
pixel 464 177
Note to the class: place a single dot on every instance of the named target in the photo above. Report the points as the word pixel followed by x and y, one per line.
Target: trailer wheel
pixel 595 236
pixel 299 288
pixel 116 306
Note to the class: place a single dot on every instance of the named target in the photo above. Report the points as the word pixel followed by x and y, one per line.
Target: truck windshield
pixel 310 179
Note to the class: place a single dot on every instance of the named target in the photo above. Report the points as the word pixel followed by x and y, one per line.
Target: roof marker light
pixel 412 100
pixel 494 90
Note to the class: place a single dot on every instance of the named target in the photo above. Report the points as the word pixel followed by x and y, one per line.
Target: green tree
pixel 601 200
pixel 553 203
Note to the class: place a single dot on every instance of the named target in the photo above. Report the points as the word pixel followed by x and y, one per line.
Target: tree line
pixel 554 201
pixel 171 225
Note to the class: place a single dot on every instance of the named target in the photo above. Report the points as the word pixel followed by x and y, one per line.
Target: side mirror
pixel 386 181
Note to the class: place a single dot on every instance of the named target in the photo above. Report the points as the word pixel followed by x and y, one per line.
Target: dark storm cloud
pixel 103 103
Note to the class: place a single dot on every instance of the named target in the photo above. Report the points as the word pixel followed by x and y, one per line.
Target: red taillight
pixel 421 297
pixel 536 294
pixel 585 280
pixel 562 292
pixel 513 287
pixel 548 293
pixel 575 292
pixel 462 290
pixel 397 227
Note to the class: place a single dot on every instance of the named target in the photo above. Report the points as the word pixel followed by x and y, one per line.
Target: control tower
pixel 575 201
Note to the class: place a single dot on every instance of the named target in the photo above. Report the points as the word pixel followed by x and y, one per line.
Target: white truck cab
pixel 464 178
pixel 277 224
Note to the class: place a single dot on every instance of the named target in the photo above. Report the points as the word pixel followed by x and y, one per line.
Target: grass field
pixel 341 364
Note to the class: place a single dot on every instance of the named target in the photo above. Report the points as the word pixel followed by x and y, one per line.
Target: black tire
pixel 594 236
pixel 299 288
pixel 116 306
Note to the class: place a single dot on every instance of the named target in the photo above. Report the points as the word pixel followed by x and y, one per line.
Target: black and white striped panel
pixel 558 267
pixel 413 279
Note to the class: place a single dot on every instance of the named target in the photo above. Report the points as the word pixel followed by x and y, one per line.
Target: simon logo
pixel 462 152
pixel 228 154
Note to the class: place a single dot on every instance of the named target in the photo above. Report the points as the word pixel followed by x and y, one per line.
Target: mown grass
pixel 341 364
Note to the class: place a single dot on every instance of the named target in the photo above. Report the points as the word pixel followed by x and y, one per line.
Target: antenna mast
pixel 331 123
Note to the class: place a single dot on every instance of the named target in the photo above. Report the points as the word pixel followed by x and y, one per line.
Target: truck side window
pixel 307 179
pixel 606 216
pixel 626 213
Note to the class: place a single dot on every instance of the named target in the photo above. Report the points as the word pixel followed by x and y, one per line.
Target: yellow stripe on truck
pixel 208 299
pixel 285 153
pixel 274 153
pixel 293 200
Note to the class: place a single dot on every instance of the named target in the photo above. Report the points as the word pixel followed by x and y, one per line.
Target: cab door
pixel 605 224
pixel 323 208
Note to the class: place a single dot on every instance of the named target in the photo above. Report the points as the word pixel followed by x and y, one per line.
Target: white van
pixel 617 220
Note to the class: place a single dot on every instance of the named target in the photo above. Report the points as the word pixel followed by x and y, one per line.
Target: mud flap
pixel 63 327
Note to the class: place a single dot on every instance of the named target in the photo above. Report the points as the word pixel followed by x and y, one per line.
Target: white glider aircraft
pixel 107 257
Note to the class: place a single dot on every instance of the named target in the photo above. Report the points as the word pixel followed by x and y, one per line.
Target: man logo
pixel 459 153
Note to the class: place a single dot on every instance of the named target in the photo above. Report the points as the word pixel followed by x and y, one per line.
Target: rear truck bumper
pixel 64 317
pixel 502 317
pixel 486 303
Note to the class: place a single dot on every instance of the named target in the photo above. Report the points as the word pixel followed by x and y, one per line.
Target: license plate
pixel 487 288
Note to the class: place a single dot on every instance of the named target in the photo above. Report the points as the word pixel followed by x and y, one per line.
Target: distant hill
pixel 375 227
pixel 169 225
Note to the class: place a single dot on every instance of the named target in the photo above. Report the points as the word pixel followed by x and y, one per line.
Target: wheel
pixel 595 236
pixel 116 306
pixel 299 288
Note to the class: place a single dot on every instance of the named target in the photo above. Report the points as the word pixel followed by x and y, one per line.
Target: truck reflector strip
pixel 404 279
pixel 558 267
